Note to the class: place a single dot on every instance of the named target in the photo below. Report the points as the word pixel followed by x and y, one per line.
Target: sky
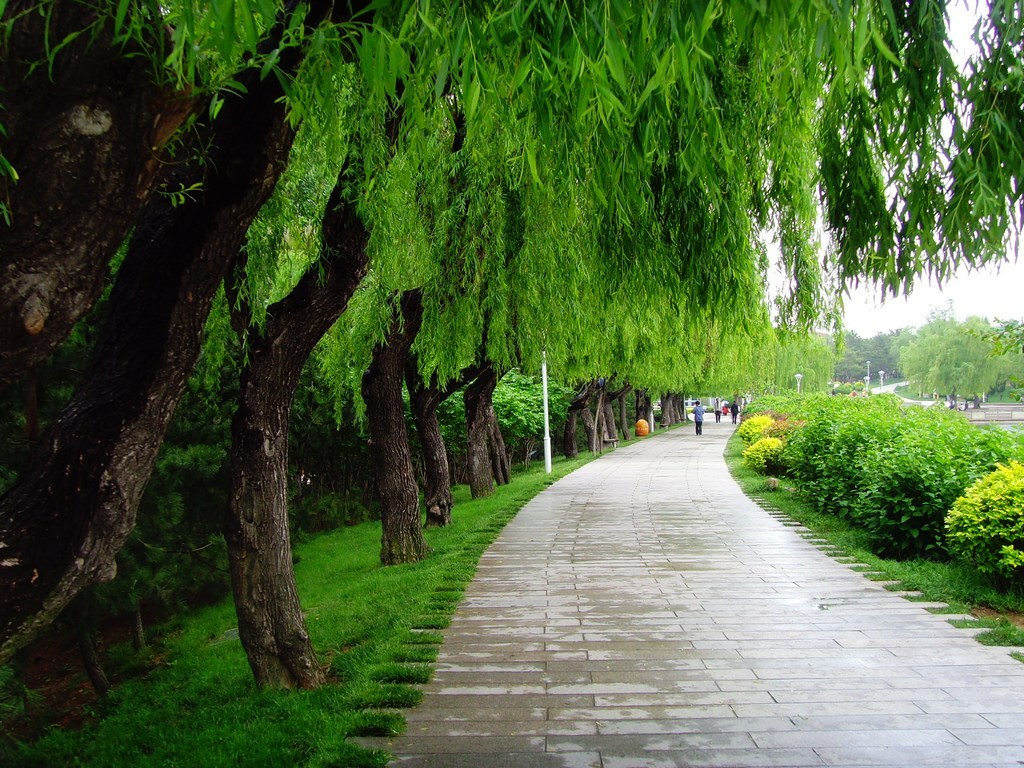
pixel 995 293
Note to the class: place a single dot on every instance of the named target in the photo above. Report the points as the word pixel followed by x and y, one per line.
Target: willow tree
pixel 87 129
pixel 811 356
pixel 685 129
pixel 951 358
pixel 681 137
pixel 90 468
pixel 304 258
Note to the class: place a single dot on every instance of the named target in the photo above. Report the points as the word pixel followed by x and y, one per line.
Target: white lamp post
pixel 547 431
pixel 799 378
pixel 868 377
pixel 867 385
pixel 881 379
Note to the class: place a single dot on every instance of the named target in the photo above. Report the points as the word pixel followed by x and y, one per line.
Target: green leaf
pixel 442 79
pixel 531 157
pixel 249 25
pixel 119 14
pixel 883 48
pixel 224 33
pixel 613 55
pixel 472 97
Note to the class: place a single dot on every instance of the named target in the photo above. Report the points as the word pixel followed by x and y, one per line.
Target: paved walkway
pixel 642 612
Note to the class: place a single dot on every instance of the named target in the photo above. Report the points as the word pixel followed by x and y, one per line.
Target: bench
pixel 613 441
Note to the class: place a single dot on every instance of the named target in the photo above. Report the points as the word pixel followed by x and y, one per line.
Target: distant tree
pixel 881 349
pixel 1007 338
pixel 949 357
pixel 813 357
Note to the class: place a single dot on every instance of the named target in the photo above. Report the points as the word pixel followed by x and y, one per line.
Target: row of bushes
pixel 921 481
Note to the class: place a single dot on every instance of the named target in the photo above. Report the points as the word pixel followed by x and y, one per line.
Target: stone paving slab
pixel 643 613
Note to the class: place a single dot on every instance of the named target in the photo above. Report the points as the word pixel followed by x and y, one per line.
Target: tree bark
pixel 138 628
pixel 437 490
pixel 485 447
pixel 402 535
pixel 424 399
pixel 569 444
pixel 87 137
pixel 91 662
pixel 65 519
pixel 666 409
pixel 600 428
pixel 620 397
pixel 501 463
pixel 580 405
pixel 611 426
pixel 83 629
pixel 589 428
pixel 270 623
pixel 32 429
pixel 644 407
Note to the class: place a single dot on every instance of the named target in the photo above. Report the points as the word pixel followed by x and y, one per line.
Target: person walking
pixel 718 410
pixel 734 409
pixel 698 417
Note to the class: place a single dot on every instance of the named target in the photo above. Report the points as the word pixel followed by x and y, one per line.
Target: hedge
pixel 892 469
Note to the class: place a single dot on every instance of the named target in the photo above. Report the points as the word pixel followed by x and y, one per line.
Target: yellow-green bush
pixel 765 456
pixel 782 428
pixel 752 429
pixel 985 526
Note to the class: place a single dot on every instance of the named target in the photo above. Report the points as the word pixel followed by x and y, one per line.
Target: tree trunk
pixel 402 535
pixel 589 428
pixel 83 627
pixel 138 628
pixel 270 623
pixel 611 428
pixel 487 458
pixel 65 519
pixel 666 409
pixel 580 404
pixel 501 464
pixel 569 444
pixel 643 407
pixel 481 481
pixel 32 408
pixel 600 424
pixel 91 661
pixel 87 137
pixel 437 488
pixel 620 397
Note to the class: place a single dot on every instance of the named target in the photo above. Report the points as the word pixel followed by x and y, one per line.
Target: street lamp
pixel 867 385
pixel 799 378
pixel 547 429
pixel 868 377
pixel 881 379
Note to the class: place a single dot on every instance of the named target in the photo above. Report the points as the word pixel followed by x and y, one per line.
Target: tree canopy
pixel 512 177
pixel 953 358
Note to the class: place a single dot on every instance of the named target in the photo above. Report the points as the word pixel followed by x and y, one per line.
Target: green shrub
pixel 782 428
pixel 985 526
pixel 751 430
pixel 765 456
pixel 890 469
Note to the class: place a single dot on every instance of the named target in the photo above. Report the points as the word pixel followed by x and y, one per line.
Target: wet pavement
pixel 643 612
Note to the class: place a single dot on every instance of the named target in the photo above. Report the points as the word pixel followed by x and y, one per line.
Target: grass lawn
pixel 959 586
pixel 999 397
pixel 192 700
pixel 195 702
